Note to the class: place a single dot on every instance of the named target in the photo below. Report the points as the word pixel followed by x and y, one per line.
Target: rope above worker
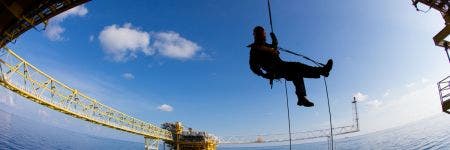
pixel 265 61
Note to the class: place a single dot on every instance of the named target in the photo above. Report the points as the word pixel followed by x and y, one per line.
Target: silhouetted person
pixel 266 62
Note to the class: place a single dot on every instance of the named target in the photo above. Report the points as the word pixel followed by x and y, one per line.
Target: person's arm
pixel 274 41
pixel 254 66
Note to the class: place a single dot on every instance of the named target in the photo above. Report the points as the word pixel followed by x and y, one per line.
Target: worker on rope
pixel 266 62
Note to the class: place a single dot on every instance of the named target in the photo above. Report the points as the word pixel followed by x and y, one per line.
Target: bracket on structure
pixel 443 7
pixel 151 143
pixel 439 39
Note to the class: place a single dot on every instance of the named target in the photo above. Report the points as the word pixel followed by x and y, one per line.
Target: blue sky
pixel 191 56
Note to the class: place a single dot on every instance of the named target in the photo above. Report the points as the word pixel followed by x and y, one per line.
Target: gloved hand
pixel 272 35
pixel 274 41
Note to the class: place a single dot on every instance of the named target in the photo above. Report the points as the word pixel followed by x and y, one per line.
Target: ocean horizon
pixel 18 133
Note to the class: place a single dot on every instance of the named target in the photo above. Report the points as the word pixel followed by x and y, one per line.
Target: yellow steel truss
pixel 23 78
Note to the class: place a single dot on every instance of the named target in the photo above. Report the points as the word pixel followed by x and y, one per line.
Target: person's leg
pixel 300 91
pixel 295 72
pixel 308 71
pixel 303 70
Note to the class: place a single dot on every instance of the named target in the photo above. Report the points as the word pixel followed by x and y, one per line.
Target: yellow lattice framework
pixel 23 78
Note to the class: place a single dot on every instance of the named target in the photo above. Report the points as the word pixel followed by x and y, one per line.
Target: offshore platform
pixel 23 78
pixel 441 40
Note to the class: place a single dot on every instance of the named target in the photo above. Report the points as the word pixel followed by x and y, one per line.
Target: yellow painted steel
pixel 23 78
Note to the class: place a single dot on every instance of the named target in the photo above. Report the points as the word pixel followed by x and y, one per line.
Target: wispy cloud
pixel 165 108
pixel 6 97
pixel 374 104
pixel 123 43
pixel 54 29
pixel 204 56
pixel 91 38
pixel 415 104
pixel 387 93
pixel 360 96
pixel 128 76
pixel 410 85
pixel 417 82
pixel 43 114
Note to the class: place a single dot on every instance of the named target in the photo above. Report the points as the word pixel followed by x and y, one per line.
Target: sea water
pixel 20 133
pixel 430 133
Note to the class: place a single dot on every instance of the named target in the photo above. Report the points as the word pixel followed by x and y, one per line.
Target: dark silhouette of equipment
pixel 18 16
pixel 443 6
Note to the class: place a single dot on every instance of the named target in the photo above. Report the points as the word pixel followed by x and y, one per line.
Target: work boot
pixel 327 68
pixel 303 101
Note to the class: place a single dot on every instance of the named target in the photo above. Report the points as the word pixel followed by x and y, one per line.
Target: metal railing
pixel 444 94
pixel 296 136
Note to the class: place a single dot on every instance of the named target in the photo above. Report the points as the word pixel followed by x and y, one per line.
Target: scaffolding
pixel 296 136
pixel 444 94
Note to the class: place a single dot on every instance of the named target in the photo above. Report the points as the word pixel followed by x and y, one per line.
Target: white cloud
pixel 204 56
pixel 374 104
pixel 43 114
pixel 387 93
pixel 411 106
pixel 409 85
pixel 360 96
pixel 128 76
pixel 122 43
pixel 417 83
pixel 165 107
pixel 6 97
pixel 91 38
pixel 172 45
pixel 54 29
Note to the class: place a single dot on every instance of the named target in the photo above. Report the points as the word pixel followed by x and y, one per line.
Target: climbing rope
pixel 270 15
pixel 300 55
pixel 285 87
pixel 285 84
pixel 288 113
pixel 326 90
pixel 329 113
